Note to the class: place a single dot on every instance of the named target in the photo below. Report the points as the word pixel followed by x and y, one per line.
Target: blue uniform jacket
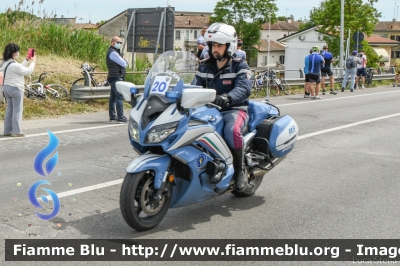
pixel 234 79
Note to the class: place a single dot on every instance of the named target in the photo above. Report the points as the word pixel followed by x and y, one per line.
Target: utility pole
pixel 269 47
pixel 341 33
pixel 75 9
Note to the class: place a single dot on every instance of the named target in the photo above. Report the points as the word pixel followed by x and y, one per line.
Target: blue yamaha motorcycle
pixel 183 158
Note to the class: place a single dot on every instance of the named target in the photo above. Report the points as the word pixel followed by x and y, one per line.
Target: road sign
pixel 147 24
pixel 358 36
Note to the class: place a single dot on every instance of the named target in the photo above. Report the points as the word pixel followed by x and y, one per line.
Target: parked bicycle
pixel 257 84
pixel 41 91
pixel 87 71
pixel 368 78
pixel 276 84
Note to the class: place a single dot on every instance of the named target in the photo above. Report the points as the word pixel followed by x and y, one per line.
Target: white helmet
pixel 224 34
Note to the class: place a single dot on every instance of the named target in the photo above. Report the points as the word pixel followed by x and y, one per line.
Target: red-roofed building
pixel 383 47
pixel 276 54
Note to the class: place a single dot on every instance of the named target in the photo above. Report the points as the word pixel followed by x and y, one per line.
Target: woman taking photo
pixel 13 88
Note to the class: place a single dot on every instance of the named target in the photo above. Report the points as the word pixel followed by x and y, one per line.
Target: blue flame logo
pixel 50 165
pixel 41 156
pixel 34 201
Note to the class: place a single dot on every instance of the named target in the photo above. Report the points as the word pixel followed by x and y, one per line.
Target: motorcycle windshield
pixel 170 72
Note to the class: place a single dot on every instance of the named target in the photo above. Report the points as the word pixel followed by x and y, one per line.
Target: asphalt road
pixel 339 182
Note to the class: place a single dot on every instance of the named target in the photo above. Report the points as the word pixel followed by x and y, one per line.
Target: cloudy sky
pixel 97 10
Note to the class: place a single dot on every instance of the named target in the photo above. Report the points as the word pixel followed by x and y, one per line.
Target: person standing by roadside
pixel 239 52
pixel 361 69
pixel 397 77
pixel 307 79
pixel 326 69
pixel 200 42
pixel 13 88
pixel 116 72
pixel 314 72
pixel 351 70
pixel 204 54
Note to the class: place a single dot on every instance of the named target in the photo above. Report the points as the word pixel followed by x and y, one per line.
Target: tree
pixel 359 15
pixel 281 18
pixel 246 16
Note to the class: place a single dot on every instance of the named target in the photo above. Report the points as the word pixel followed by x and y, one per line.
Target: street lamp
pixel 269 46
pixel 341 33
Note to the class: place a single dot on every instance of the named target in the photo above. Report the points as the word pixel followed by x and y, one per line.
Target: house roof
pixel 387 26
pixel 274 46
pixel 375 39
pixel 296 34
pixel 191 21
pixel 282 25
pixel 86 26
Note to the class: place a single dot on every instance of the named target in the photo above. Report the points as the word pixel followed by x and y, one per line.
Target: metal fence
pixel 86 93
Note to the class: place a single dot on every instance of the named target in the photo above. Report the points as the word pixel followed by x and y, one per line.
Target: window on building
pixel 177 35
pixel 265 60
pixel 395 54
pixel 187 35
pixel 195 34
pixel 397 38
pixel 392 37
pixel 282 59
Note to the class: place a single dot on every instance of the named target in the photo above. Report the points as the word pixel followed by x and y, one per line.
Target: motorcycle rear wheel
pixel 252 185
pixel 138 207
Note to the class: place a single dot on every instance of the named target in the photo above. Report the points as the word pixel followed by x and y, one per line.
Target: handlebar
pixel 42 77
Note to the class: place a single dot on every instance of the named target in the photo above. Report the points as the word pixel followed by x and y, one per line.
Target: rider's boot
pixel 238 164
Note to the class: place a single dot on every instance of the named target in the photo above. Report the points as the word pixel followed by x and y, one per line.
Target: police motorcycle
pixel 183 159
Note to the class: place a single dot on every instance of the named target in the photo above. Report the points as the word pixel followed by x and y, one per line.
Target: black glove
pixel 222 100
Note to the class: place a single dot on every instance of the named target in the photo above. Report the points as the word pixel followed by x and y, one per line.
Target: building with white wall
pixel 298 45
pixel 279 29
pixel 276 54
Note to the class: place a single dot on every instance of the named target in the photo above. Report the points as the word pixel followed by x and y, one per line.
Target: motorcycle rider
pixel 231 78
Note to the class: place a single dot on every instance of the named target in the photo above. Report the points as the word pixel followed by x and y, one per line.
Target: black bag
pixel 350 63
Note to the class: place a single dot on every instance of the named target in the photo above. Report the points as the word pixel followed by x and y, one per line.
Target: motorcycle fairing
pixel 214 143
pixel 157 163
pixel 257 112
pixel 188 192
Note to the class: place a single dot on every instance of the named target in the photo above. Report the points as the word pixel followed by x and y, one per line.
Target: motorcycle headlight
pixel 159 133
pixel 134 130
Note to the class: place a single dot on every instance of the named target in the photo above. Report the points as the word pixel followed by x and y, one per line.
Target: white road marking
pixel 338 98
pixel 64 131
pixel 345 126
pixel 99 127
pixel 119 181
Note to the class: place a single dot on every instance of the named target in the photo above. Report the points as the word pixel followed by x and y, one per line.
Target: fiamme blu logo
pixel 44 169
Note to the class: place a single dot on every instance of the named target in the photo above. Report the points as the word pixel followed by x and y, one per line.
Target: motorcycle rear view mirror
pixel 128 91
pixel 193 98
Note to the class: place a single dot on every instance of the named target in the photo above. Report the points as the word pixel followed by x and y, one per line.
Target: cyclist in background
pixel 361 70
pixel 397 77
pixel 326 69
pixel 307 79
pixel 315 61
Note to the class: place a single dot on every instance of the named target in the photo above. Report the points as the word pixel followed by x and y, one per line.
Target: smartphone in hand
pixel 31 53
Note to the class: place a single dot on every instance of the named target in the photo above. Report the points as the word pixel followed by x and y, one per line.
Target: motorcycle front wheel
pixel 139 208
